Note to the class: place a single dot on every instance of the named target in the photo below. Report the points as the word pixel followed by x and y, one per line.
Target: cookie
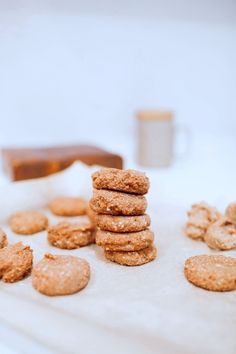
pixel 221 235
pixel 132 258
pixel 68 235
pixel 123 223
pixel 60 275
pixel 28 222
pixel 132 241
pixel 215 273
pixel 230 213
pixel 15 262
pixel 3 239
pixel 129 181
pixel 117 203
pixel 68 206
pixel 200 217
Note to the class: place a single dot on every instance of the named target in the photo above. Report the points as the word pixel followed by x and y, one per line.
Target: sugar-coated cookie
pixel 133 258
pixel 129 181
pixel 117 203
pixel 200 217
pixel 132 241
pixel 60 275
pixel 68 206
pixel 216 273
pixel 69 235
pixel 123 223
pixel 230 213
pixel 28 222
pixel 15 262
pixel 3 239
pixel 221 235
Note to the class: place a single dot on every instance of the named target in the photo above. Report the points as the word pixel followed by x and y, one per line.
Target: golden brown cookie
pixel 200 217
pixel 215 273
pixel 60 275
pixel 230 213
pixel 123 223
pixel 131 241
pixel 132 258
pixel 221 235
pixel 117 203
pixel 3 239
pixel 69 235
pixel 129 181
pixel 15 262
pixel 68 206
pixel 28 222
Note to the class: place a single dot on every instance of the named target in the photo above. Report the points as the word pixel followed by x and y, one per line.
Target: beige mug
pixel 156 138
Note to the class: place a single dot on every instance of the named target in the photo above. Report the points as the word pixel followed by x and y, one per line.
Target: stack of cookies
pixel 122 226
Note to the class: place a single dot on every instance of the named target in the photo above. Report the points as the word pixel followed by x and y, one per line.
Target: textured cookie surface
pixel 71 235
pixel 28 222
pixel 60 275
pixel 123 223
pixel 132 258
pixel 221 235
pixel 3 239
pixel 216 273
pixel 68 206
pixel 200 217
pixel 15 262
pixel 132 241
pixel 129 181
pixel 117 203
pixel 230 213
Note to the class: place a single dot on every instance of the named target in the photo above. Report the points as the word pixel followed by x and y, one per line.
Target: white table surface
pixel 208 173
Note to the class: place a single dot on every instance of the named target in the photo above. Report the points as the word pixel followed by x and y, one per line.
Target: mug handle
pixel 182 129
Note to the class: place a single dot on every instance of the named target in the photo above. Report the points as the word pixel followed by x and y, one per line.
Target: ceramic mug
pixel 156 138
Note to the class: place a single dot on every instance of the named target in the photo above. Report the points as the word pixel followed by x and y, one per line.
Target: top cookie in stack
pixel 120 205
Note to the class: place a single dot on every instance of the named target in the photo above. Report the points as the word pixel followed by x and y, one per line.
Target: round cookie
pixel 132 241
pixel 221 235
pixel 123 223
pixel 215 273
pixel 117 203
pixel 200 217
pixel 129 181
pixel 15 262
pixel 135 258
pixel 60 275
pixel 68 206
pixel 230 213
pixel 3 239
pixel 28 222
pixel 68 235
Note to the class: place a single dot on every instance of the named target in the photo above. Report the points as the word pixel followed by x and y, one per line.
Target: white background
pixel 76 71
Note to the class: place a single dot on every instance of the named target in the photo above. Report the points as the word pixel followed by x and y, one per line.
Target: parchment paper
pixel 148 309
